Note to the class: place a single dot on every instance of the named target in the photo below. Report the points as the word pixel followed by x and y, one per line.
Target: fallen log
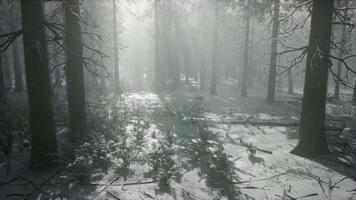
pixel 274 124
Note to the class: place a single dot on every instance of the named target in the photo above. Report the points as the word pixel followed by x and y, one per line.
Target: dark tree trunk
pixel 273 58
pixel 354 95
pixel 290 81
pixel 74 69
pixel 246 52
pixel 339 64
pixel 7 71
pixel 43 137
pixel 117 88
pixel 2 83
pixel 213 90
pixel 312 140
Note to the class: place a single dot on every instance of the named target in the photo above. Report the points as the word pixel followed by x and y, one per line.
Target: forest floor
pixel 189 146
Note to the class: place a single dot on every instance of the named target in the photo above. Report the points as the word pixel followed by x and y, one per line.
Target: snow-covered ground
pixel 188 153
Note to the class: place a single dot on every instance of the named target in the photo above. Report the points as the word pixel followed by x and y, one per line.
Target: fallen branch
pixel 16 195
pixel 262 123
pixel 113 195
pixel 9 181
pixel 38 188
pixel 112 184
pixel 263 179
pixel 305 196
pixel 274 124
pixel 250 146
pixel 118 184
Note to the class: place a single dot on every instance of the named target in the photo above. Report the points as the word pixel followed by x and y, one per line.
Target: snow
pixel 273 176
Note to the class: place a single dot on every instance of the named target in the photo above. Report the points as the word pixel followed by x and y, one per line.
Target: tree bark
pixel 15 50
pixel 176 50
pixel 117 87
pixel 202 78
pixel 354 95
pixel 43 137
pixel 273 58
pixel 7 71
pixel 312 140
pixel 213 90
pixel 74 69
pixel 2 83
pixel 339 64
pixel 19 84
pixel 246 51
pixel 290 81
pixel 159 80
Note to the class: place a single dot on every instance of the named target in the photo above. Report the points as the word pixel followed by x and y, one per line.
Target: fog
pixel 177 99
pixel 186 41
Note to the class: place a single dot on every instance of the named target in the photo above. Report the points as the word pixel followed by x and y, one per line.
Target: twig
pixel 113 195
pixel 111 184
pixel 263 179
pixel 45 182
pixel 305 196
pixel 10 180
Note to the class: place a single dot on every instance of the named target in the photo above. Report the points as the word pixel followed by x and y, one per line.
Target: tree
pixel 273 58
pixel 117 89
pixel 339 64
pixel 202 74
pixel 43 137
pixel 246 50
pixel 290 81
pixel 213 90
pixel 342 51
pixel 354 95
pixel 15 50
pixel 159 80
pixel 74 69
pixel 2 83
pixel 312 140
pixel 7 71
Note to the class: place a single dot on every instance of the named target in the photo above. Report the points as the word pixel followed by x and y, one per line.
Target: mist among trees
pixel 177 99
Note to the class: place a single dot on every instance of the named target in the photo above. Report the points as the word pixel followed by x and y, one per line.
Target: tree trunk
pixel 187 67
pixel 15 50
pixel 213 90
pixel 7 71
pixel 246 51
pixel 339 64
pixel 176 58
pixel 290 81
pixel 202 77
pixel 57 69
pixel 354 95
pixel 273 58
pixel 312 140
pixel 2 83
pixel 74 69
pixel 187 59
pixel 43 137
pixel 158 79
pixel 116 54
pixel 19 84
